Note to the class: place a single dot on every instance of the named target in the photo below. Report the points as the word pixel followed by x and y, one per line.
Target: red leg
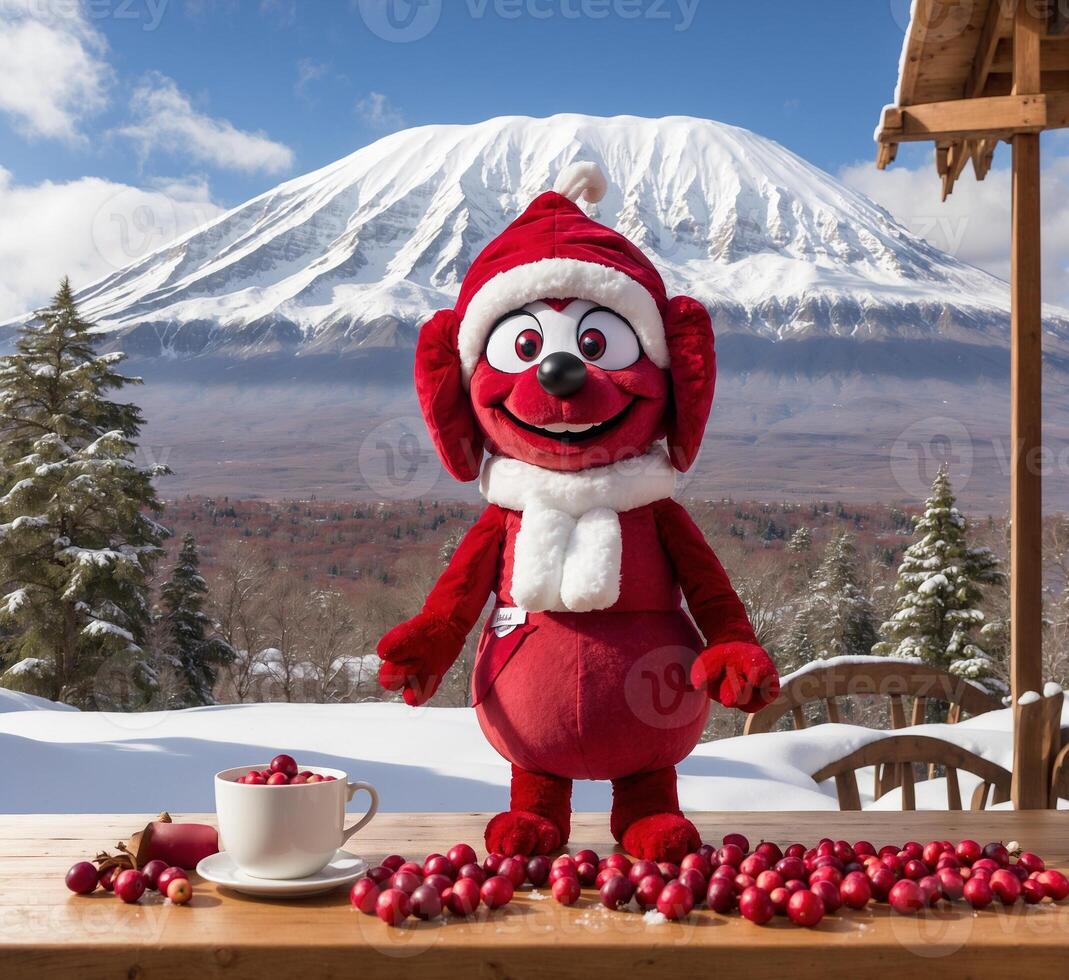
pixel 539 818
pixel 646 818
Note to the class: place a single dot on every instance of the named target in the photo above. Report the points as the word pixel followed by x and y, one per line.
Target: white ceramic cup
pixel 286 832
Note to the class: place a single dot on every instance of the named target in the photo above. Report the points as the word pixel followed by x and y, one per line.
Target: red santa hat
pixel 555 251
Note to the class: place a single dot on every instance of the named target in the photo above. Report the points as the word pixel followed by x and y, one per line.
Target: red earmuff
pixel 443 399
pixel 689 333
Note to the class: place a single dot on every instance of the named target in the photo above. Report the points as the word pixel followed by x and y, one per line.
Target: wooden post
pixel 1026 365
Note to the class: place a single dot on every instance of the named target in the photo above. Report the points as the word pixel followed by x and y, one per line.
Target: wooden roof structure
pixel 974 73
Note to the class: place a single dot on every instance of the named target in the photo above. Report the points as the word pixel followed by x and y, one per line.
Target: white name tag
pixel 506 619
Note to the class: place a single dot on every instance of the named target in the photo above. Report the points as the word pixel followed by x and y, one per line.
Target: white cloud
pixel 165 119
pixel 53 67
pixel 974 222
pixel 308 71
pixel 86 228
pixel 375 110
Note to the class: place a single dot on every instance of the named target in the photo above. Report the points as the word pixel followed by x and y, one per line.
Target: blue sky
pixel 197 105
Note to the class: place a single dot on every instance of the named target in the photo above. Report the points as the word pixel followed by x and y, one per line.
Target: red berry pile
pixel 129 884
pixel 805 884
pixel 453 882
pixel 282 771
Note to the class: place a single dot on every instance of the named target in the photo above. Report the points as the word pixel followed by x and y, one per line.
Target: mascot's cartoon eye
pixel 607 339
pixel 515 343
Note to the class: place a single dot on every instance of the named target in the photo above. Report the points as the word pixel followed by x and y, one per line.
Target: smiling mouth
pixel 569 432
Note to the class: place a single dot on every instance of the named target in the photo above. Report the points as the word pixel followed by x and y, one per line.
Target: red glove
pixel 417 654
pixel 738 675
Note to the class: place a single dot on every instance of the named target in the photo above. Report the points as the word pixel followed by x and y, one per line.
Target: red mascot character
pixel 566 361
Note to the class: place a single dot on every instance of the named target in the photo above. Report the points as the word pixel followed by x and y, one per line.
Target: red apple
pixel 179 891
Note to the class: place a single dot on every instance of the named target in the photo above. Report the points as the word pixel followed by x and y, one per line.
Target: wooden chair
pixel 902 751
pixel 896 680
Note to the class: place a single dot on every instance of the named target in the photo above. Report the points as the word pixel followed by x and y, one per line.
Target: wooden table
pixel 46 932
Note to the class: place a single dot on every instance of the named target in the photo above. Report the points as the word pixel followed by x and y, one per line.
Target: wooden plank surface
pixel 45 932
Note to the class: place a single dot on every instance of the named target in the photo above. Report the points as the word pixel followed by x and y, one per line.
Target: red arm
pixel 733 667
pixel 417 653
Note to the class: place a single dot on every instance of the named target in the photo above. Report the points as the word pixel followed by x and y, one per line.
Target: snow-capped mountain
pixel 355 254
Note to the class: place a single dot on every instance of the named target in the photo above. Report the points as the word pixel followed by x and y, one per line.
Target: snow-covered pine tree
pixel 834 617
pixel 77 539
pixel 801 542
pixel 937 613
pixel 193 655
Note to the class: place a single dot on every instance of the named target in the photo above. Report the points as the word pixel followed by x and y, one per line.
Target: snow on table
pixel 60 760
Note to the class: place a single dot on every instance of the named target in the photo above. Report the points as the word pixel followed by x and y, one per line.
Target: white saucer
pixel 343 869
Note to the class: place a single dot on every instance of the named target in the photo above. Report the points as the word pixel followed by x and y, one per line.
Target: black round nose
pixel 561 374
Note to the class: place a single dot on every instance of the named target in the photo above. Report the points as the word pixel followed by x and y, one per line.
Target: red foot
pixel 521 832
pixel 661 837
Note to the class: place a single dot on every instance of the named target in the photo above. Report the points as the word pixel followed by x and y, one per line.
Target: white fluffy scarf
pixel 568 547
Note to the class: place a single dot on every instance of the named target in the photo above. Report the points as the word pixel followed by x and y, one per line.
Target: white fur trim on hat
pixel 560 279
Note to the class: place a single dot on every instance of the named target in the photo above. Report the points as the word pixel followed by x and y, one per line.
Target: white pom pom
pixel 583 179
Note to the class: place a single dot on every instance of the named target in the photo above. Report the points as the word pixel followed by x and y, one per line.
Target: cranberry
pixel 165 877
pixel 130 885
pixel 438 882
pixel 933 850
pixel 669 870
pixel 906 897
pixel 1055 884
pixel 497 891
pixel 152 872
pixel 833 875
pixel 755 905
pixel 179 891
pixel 439 864
pixel 426 902
pixel 724 871
pixel 587 873
pixel 474 872
pixel 914 870
pixel 675 901
pixel 537 870
pixel 515 869
pixel 855 890
pixel 379 874
pixel 737 840
pixel 731 854
pixel 107 878
pixel 791 867
pixel 618 861
pixel 753 865
pixel 586 855
pixel 828 893
pixel 616 891
pixel 393 862
pixel 947 860
pixel 768 880
pixel 805 908
pixel 986 865
pixel 742 882
pixel 461 854
pixel 914 851
pixel 363 895
pixel 720 896
pixel 566 890
pixel 893 863
pixel 794 851
pixel 643 869
pixel 404 881
pixel 695 862
pixel 464 897
pixel 254 779
pixel 952 883
pixel 968 851
pixel 1031 862
pixel 567 862
pixel 863 847
pixel 492 862
pixel 1032 892
pixel 997 852
pixel 708 852
pixel 1006 886
pixel 393 906
pixel 605 874
pixel 779 898
pixel 770 851
pixel 82 878
pixel 648 889
pixel 695 881
pixel 278 779
pixel 882 881
pixel 794 885
pixel 284 764
pixel 978 893
pixel 931 888
pixel 412 868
